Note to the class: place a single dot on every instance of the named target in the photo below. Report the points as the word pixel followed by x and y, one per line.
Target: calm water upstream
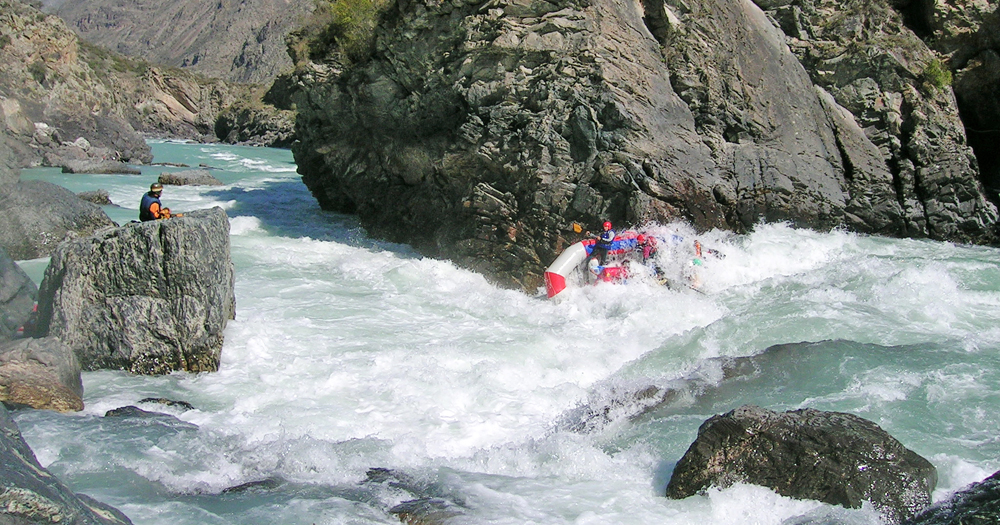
pixel 349 354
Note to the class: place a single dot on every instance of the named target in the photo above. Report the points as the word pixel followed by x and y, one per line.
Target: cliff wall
pixel 482 131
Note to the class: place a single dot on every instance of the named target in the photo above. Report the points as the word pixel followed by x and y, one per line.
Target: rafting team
pixel 644 250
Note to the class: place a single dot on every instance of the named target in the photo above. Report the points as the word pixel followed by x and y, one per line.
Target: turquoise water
pixel 349 354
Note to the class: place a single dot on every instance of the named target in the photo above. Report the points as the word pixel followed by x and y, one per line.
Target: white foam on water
pixel 348 353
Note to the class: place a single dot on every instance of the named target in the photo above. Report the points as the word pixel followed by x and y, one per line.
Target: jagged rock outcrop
pixel 978 504
pixel 30 494
pixel 482 131
pixel 237 41
pixel 871 63
pixel 148 297
pixel 256 125
pixel 40 373
pixel 832 457
pixel 17 296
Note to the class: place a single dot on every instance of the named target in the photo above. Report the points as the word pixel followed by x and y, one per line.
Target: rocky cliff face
pixel 482 131
pixel 56 89
pixel 237 41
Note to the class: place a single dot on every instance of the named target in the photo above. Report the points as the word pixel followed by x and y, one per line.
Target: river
pixel 349 354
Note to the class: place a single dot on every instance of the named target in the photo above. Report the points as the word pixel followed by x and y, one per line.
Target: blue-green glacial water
pixel 348 354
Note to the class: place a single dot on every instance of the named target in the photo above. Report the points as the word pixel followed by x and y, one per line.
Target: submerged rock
pixel 832 457
pixel 29 494
pixel 148 297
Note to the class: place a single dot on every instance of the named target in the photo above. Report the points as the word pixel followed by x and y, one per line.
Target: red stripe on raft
pixel 554 283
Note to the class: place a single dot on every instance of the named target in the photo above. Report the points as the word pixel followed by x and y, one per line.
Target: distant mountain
pixel 57 89
pixel 235 40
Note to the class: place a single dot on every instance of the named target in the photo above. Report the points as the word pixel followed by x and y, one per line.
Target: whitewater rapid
pixel 348 353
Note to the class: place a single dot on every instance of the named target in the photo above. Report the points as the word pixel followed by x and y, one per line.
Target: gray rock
pixel 832 457
pixel 483 134
pixel 875 65
pixel 40 373
pixel 148 297
pixel 978 504
pixel 98 197
pixel 35 216
pixel 29 494
pixel 17 297
pixel 99 166
pixel 189 178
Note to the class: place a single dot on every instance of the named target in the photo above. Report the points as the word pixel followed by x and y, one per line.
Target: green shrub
pixel 347 26
pixel 38 71
pixel 937 74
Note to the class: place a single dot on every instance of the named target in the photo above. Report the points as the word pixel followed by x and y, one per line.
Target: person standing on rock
pixel 150 208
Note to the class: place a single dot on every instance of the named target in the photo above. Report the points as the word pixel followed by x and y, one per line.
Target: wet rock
pixel 256 487
pixel 198 177
pixel 425 511
pixel 832 457
pixel 483 135
pixel 183 405
pixel 40 373
pixel 30 494
pixel 978 504
pixel 148 297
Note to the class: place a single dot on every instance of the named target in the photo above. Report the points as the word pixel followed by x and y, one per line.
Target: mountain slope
pixel 240 41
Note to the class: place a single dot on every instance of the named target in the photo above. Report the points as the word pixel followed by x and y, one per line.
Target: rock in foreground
pixel 831 457
pixel 29 494
pixel 978 504
pixel 40 373
pixel 148 297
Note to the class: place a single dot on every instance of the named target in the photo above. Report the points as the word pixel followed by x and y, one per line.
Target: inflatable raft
pixel 571 258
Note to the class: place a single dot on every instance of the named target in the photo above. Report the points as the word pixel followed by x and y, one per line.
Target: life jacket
pixel 614 274
pixel 648 248
pixel 605 239
pixel 145 214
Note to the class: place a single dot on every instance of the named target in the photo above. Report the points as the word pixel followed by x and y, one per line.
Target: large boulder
pixel 148 297
pixel 483 133
pixel 17 296
pixel 831 457
pixel 40 373
pixel 35 216
pixel 29 494
pixel 978 504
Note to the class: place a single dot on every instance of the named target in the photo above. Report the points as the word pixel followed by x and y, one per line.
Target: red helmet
pixel 641 238
pixel 607 225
